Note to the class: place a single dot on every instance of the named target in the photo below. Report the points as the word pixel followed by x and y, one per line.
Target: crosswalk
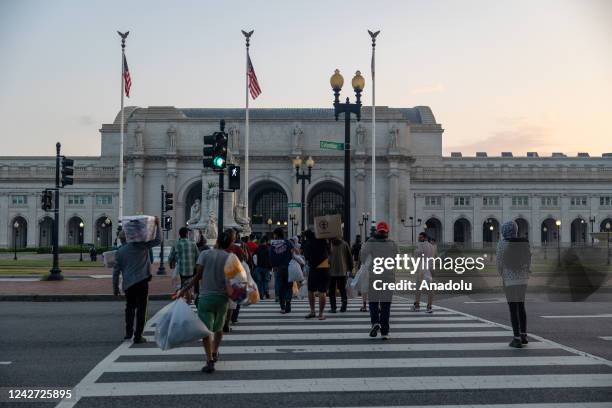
pixel 447 359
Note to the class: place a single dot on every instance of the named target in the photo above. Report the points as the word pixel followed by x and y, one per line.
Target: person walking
pixel 183 256
pixel 133 263
pixel 340 263
pixel 281 253
pixel 424 249
pixel 316 252
pixel 202 243
pixel 261 273
pixel 211 269
pixel 379 246
pixel 513 265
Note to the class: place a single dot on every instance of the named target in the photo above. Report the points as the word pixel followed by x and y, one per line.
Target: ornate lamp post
pixel 365 217
pixel 336 81
pixel 558 224
pixel 15 235
pixel 545 230
pixel 269 222
pixel 412 225
pixel 292 219
pixel 303 177
pixel 592 221
pixel 81 225
pixel 608 226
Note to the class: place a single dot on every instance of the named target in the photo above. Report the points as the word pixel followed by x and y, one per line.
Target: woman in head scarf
pixel 513 264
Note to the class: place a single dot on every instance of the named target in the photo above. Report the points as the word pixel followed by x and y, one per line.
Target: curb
pixel 73 298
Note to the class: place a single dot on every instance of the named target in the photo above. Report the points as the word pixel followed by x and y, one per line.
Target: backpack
pixel 280 253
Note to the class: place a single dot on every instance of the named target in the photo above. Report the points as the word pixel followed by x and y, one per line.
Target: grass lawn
pixel 41 266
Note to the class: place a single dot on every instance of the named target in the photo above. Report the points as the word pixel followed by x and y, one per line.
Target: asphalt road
pixel 58 344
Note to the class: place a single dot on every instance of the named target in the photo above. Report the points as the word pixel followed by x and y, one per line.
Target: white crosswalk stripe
pixel 440 358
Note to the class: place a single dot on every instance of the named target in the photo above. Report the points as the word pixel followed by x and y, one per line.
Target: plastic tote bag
pixel 295 272
pixel 138 228
pixel 361 280
pixel 179 325
pixel 351 291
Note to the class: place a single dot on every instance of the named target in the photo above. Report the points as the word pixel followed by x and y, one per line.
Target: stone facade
pixel 457 199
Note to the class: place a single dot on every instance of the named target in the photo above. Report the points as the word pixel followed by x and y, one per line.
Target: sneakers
pixel 209 367
pixel 429 310
pixel 333 311
pixel 139 340
pixel 416 308
pixel 127 336
pixel 516 343
pixel 343 308
pixel 524 339
pixel 374 330
pixel 386 337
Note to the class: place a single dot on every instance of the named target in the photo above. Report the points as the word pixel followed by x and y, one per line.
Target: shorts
pixel 423 276
pixel 318 280
pixel 212 310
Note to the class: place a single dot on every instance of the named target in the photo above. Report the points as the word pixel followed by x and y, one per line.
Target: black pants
pixel 340 283
pixel 515 295
pixel 379 314
pixel 286 289
pixel 136 297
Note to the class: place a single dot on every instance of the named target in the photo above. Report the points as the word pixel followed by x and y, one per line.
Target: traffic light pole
pixel 162 269
pixel 220 200
pixel 55 272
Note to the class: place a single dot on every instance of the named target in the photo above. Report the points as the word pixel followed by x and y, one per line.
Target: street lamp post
pixel 303 177
pixel 412 225
pixel 81 225
pixel 292 220
pixel 592 222
pixel 15 235
pixel 608 231
pixel 545 230
pixel 336 81
pixel 269 222
pixel 558 224
pixel 365 217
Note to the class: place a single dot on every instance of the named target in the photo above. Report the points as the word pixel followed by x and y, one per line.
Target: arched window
pixel 104 232
pixel 75 231
pixel 433 228
pixel 490 231
pixel 269 202
pixel 325 199
pixel 462 231
pixel 19 228
pixel 45 232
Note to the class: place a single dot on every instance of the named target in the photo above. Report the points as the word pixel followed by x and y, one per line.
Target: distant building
pixel 458 199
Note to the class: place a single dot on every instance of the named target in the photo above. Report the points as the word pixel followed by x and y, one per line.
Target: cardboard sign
pixel 328 226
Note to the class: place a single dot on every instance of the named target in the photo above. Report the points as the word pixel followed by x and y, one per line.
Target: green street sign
pixel 294 205
pixel 324 144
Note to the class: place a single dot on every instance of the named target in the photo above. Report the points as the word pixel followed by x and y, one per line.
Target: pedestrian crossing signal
pixel 234 177
pixel 167 223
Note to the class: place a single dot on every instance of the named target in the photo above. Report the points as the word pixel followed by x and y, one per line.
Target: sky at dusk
pixel 499 76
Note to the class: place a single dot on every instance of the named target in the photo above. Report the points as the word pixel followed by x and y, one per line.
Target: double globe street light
pixel 358 82
pixel 303 176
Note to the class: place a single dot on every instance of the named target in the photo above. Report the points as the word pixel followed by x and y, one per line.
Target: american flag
pixel 254 88
pixel 127 79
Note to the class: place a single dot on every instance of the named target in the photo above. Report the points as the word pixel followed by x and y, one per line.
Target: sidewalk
pixel 85 284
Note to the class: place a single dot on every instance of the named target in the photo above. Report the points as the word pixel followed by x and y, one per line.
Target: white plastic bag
pixel 295 272
pixel 179 325
pixel 110 258
pixel 351 291
pixel 139 228
pixel 360 281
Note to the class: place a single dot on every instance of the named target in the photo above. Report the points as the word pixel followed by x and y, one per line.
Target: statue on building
pixel 298 137
pixel 393 137
pixel 361 134
pixel 194 212
pixel 240 216
pixel 172 139
pixel 234 138
pixel 211 232
pixel 139 138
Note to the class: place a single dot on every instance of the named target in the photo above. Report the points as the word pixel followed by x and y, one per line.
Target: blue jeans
pixel 379 313
pixel 261 278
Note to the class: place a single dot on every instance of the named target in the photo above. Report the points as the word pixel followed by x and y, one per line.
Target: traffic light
pixel 220 152
pixel 209 150
pixel 67 171
pixel 234 177
pixel 168 201
pixel 167 222
pixel 47 200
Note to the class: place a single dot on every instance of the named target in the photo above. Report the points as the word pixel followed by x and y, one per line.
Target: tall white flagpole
pixel 373 203
pixel 123 37
pixel 247 36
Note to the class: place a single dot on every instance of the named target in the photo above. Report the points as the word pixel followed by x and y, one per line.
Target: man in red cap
pixel 379 246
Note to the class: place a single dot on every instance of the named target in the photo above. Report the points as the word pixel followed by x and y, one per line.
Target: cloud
pixel 86 120
pixel 428 89
pixel 520 138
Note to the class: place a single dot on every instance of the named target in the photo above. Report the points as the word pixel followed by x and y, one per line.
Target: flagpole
pixel 123 37
pixel 373 203
pixel 247 36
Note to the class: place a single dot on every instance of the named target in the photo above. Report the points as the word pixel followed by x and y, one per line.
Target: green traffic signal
pixel 219 162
